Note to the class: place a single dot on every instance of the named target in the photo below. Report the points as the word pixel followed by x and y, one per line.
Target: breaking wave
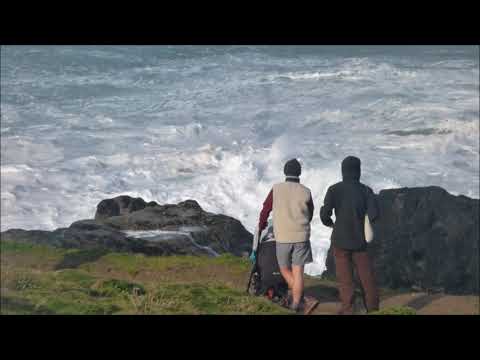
pixel 80 124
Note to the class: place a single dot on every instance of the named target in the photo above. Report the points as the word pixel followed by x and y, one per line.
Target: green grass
pixel 212 299
pixel 400 310
pixel 131 263
pixel 113 287
pixel 45 280
pixel 79 294
pixel 51 292
pixel 45 252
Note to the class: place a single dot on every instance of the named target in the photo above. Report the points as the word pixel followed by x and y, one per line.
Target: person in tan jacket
pixel 292 206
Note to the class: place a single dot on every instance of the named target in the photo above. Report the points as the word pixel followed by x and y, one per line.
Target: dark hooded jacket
pixel 351 200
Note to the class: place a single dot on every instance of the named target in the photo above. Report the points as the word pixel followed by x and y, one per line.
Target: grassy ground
pixel 44 280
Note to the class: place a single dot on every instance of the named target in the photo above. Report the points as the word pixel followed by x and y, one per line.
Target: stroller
pixel 265 278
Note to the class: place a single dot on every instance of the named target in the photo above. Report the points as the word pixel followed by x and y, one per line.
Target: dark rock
pixel 425 239
pixel 88 235
pixel 119 205
pixel 219 232
pixel 107 208
pixel 197 231
pixel 39 237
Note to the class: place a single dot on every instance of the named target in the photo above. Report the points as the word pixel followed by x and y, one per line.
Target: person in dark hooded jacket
pixel 351 201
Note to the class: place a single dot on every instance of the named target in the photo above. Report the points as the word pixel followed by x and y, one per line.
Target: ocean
pixel 216 123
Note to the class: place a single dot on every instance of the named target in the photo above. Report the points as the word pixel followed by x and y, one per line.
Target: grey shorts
pixel 289 254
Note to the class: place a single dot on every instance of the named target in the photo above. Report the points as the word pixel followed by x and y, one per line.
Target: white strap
pixel 368 230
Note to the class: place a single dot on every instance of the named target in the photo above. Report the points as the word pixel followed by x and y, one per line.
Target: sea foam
pixel 216 124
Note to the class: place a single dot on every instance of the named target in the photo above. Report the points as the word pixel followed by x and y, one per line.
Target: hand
pixel 253 257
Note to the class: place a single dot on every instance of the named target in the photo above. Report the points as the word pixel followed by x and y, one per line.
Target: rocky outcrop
pixel 219 232
pixel 120 205
pixel 87 234
pixel 426 239
pixel 188 229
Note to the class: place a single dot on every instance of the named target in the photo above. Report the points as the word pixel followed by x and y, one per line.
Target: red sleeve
pixel 267 208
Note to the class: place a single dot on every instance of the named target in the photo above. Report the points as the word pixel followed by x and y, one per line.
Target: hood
pixel 351 168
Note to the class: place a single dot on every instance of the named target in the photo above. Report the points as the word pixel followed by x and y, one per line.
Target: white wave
pixel 29 150
pixel 218 128
pixel 344 74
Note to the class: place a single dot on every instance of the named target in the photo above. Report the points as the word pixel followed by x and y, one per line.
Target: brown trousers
pixel 344 259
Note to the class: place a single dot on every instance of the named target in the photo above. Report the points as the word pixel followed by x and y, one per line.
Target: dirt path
pixel 423 303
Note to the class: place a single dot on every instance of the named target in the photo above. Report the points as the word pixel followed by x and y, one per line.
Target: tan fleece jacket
pixel 291 215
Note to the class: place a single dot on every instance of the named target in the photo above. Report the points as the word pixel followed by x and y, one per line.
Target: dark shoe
pixel 298 308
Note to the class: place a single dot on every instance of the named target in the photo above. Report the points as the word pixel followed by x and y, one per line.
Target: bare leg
pixel 288 276
pixel 297 288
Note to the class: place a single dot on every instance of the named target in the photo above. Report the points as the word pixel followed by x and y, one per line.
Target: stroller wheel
pixel 254 285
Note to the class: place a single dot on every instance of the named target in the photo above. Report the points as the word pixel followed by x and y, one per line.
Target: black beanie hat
pixel 292 168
